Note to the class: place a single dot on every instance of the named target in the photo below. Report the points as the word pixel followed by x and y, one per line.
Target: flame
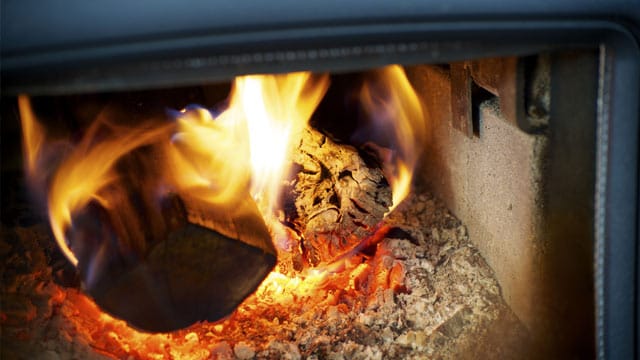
pixel 84 171
pixel 207 157
pixel 217 159
pixel 32 134
pixel 88 169
pixel 393 105
pixel 278 108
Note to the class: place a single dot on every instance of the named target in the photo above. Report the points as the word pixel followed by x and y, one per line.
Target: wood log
pixel 336 200
pixel 151 262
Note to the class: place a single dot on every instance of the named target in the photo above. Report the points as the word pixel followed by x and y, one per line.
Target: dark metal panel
pixel 567 223
pixel 29 25
pixel 616 195
pixel 204 59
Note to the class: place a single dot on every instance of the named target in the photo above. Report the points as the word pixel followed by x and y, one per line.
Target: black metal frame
pixel 53 48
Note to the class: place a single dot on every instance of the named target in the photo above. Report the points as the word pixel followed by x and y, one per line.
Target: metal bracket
pixel 472 82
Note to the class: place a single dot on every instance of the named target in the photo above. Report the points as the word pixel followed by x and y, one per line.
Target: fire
pixel 394 106
pixel 278 108
pixel 84 171
pixel 207 156
pixel 32 135
pixel 217 158
pixel 221 158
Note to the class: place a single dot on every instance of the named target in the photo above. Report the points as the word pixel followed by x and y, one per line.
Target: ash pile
pixel 421 291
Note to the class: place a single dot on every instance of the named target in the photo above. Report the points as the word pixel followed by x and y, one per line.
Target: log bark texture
pixel 337 198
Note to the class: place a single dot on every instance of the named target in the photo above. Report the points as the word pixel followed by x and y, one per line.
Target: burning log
pixel 336 200
pixel 154 264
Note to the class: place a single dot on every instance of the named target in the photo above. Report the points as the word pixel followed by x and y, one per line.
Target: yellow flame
pixel 32 134
pixel 277 109
pixel 217 158
pixel 212 158
pixel 88 169
pixel 208 157
pixel 400 108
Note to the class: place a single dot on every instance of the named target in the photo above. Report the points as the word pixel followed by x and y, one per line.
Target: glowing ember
pixel 360 278
pixel 423 291
pixel 211 158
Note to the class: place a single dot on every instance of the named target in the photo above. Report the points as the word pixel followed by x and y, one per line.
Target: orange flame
pixel 87 170
pixel 32 134
pixel 394 105
pixel 208 157
pixel 215 159
pixel 278 108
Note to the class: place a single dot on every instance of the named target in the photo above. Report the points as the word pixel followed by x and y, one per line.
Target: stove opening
pixel 397 212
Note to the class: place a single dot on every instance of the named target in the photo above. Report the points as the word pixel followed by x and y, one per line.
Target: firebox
pixel 416 180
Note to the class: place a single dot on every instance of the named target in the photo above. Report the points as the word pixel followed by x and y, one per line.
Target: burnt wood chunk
pixel 151 266
pixel 336 200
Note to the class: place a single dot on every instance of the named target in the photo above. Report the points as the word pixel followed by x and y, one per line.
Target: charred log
pixel 336 200
pixel 155 263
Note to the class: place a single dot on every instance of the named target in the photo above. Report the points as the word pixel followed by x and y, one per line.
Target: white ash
pixel 449 307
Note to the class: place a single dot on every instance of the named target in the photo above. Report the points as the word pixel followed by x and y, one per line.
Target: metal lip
pixel 35 24
pixel 209 58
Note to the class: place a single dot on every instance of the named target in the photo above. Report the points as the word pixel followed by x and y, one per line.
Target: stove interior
pixel 483 251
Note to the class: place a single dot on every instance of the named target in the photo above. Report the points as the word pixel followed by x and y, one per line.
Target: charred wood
pixel 336 199
pixel 154 263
